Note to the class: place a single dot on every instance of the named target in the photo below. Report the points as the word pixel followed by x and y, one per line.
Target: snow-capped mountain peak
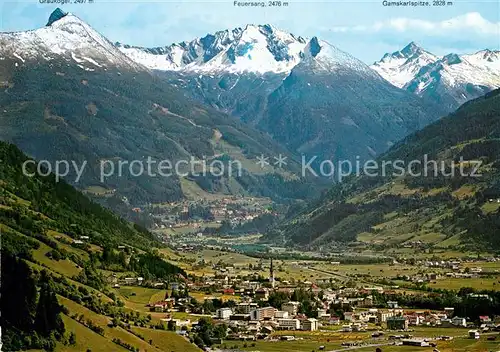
pixel 401 66
pixel 451 79
pixel 65 37
pixel 254 48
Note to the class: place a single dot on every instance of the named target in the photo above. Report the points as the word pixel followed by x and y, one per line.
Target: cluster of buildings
pixel 248 317
pixel 234 209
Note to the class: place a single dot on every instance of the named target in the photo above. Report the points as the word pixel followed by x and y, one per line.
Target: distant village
pixel 231 209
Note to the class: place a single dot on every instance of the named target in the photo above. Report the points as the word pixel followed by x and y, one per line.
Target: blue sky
pixel 366 29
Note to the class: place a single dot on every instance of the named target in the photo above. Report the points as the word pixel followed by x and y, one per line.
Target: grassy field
pixel 280 346
pixel 64 266
pixel 486 266
pixel 137 298
pixel 490 207
pixel 86 339
pixel 373 270
pixel 141 295
pixel 477 283
pixel 456 345
pixel 101 320
pixel 166 340
pixel 311 341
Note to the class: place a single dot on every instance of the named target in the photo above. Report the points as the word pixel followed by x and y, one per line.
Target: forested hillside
pixel 59 251
pixel 38 203
pixel 433 210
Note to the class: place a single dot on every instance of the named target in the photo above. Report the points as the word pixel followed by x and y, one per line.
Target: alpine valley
pixel 433 209
pixel 70 94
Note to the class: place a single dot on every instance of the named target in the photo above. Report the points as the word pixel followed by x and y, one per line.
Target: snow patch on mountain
pixel 320 56
pixel 479 69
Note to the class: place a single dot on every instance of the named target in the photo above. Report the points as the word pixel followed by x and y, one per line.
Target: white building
pixel 349 316
pixel 281 314
pixel 346 328
pixel 289 324
pixel 384 315
pixel 474 334
pixel 392 304
pixel 457 321
pixel 224 313
pixel 310 324
pixel 322 313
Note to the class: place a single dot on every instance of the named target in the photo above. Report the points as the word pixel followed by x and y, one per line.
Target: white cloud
pixel 471 22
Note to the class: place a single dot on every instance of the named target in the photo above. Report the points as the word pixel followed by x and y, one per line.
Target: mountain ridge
pixel 450 80
pixel 256 48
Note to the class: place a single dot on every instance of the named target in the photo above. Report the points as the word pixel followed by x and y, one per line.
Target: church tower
pixel 271 273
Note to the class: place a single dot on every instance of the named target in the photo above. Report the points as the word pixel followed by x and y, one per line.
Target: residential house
pixel 484 319
pixel 323 314
pixel 349 316
pixel 384 315
pixel 457 321
pixel 392 304
pixel 334 321
pixel 281 314
pixel 262 293
pixel 474 334
pixel 310 324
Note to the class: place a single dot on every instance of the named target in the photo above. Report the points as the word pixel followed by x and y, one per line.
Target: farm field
pixel 476 283
pixel 456 345
pixel 332 341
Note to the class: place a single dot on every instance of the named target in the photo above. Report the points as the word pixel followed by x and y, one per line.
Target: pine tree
pixel 18 298
pixel 48 318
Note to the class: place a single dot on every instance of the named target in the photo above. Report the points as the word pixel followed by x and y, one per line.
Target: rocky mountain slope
pixel 307 94
pixel 443 205
pixel 450 80
pixel 333 106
